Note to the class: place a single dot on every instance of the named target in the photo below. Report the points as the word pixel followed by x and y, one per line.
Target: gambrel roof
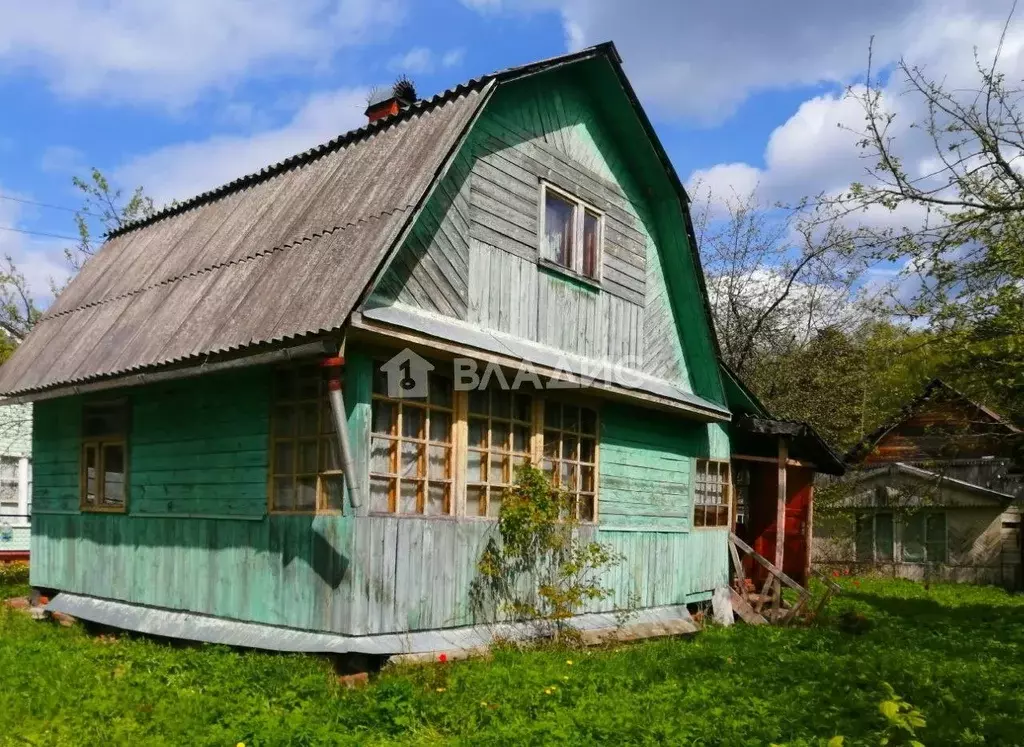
pixel 280 255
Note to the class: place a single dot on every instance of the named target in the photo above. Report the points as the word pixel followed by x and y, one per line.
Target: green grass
pixel 954 652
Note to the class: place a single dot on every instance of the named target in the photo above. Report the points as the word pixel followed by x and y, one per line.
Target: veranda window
pixel 875 539
pixel 711 496
pixel 104 461
pixel 411 449
pixel 305 472
pixel 570 454
pixel 499 428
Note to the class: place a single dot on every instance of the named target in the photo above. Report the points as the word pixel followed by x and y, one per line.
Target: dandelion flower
pixel 440 689
pixel 483 703
pixel 569 662
pixel 240 744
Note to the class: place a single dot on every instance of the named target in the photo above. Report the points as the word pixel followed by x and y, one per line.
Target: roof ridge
pixel 220 265
pixel 358 134
pixel 343 140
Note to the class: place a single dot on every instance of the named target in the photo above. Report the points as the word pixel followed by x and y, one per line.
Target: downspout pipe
pixel 355 489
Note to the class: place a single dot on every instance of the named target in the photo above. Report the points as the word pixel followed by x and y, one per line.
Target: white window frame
pixel 924 513
pixel 580 207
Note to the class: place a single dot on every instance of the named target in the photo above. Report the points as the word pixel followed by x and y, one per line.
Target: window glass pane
pixel 305 494
pixel 330 461
pixel 440 426
pixel 521 439
pixel 439 462
pixel 499 435
pixel 412 460
pixel 588 421
pixel 494 504
pixel 935 531
pixel 440 390
pixel 382 456
pixel 380 379
pixel 523 408
pixel 586 507
pixel 552 415
pixel 587 479
pixel 591 239
pixel 479 402
pixel 437 499
pixel 408 500
pixel 284 458
pixel 413 420
pixel 113 475
pixel 91 468
pixel 284 493
pixel 883 537
pixel 568 447
pixel 384 417
pixel 570 418
pixel 380 492
pixel 478 433
pixel 307 457
pixel 551 444
pixel 587 452
pixel 333 491
pixel 477 467
pixel 308 383
pixel 474 500
pixel 913 539
pixel 497 469
pixel 501 404
pixel 699 518
pixel 558 229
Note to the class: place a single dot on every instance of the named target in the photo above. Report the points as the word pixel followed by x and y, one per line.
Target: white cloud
pixel 168 53
pixel 182 170
pixel 39 258
pixel 423 60
pixel 702 60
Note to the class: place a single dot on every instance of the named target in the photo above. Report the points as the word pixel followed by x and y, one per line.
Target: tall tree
pixel 962 242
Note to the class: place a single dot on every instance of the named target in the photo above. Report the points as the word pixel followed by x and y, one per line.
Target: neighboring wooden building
pixel 190 475
pixel 934 496
pixel 15 481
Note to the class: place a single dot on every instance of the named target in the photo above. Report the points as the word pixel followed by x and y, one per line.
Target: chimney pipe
pixel 382 104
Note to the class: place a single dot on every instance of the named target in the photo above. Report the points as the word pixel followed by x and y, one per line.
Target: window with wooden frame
pixel 500 425
pixel 570 454
pixel 712 494
pixel 305 467
pixel 572 233
pixel 875 539
pixel 104 461
pixel 411 449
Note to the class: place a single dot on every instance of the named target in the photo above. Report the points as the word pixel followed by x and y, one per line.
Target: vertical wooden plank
pixel 780 511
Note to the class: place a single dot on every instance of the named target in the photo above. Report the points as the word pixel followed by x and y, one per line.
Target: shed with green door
pixel 503 273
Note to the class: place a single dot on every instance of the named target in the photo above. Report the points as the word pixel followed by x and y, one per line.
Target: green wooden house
pixel 191 477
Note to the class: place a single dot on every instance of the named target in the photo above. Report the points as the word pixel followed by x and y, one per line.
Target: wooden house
pixel 253 417
pixel 932 495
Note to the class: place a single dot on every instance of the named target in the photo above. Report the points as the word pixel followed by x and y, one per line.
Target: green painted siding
pixel 564 127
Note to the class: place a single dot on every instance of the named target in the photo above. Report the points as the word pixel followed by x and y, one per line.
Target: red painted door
pixel 764 515
pixel 799 487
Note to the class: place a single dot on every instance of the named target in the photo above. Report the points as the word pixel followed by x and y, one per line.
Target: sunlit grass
pixel 954 652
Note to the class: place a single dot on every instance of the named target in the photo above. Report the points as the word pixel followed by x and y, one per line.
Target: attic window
pixel 572 233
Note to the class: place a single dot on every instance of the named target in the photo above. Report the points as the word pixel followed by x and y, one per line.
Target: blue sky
pixel 181 97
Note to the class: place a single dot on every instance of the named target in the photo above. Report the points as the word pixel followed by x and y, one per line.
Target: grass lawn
pixel 956 653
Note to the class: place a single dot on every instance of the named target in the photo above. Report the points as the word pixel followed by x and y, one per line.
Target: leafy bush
pixel 539 568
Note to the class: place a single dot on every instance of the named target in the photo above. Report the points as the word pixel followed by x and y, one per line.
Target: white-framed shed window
pixel 571 233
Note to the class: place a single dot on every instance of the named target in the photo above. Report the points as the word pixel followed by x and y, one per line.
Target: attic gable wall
pixel 473 254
